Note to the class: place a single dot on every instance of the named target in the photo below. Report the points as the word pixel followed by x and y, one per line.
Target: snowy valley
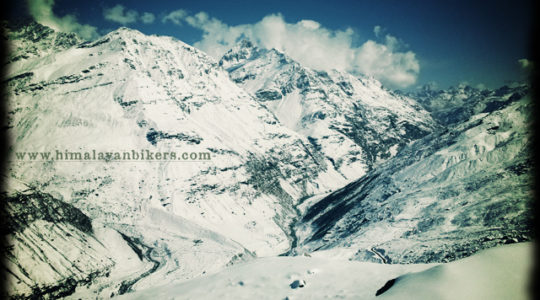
pixel 322 179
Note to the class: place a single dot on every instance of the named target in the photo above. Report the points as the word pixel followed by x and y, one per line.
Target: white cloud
pixel 175 17
pixel 119 14
pixel 380 61
pixel 378 30
pixel 41 11
pixel 309 43
pixel 524 63
pixel 148 18
pixel 309 24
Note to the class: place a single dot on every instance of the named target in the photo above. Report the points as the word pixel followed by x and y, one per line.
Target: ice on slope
pixel 498 273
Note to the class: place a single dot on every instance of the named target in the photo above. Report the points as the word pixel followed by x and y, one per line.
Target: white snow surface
pixel 498 273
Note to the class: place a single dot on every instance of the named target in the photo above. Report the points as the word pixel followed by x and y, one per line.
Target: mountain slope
pixel 354 121
pixel 129 92
pixel 29 39
pixel 51 246
pixel 441 198
pixel 458 104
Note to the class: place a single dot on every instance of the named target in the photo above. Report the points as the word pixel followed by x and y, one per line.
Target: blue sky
pixel 403 43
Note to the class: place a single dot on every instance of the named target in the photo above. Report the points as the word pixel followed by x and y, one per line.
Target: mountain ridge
pixel 354 120
pixel 302 161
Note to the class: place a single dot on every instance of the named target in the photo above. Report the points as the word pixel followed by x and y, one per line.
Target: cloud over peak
pixel 175 17
pixel 311 44
pixel 148 18
pixel 119 14
pixel 385 57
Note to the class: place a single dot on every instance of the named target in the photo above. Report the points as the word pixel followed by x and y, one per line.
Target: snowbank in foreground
pixel 498 273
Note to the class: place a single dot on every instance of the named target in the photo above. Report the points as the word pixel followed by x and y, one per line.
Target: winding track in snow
pixel 374 251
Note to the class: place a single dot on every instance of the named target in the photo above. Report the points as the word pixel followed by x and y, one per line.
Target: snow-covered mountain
pixel 441 198
pixel 299 161
pixel 127 91
pixel 354 121
pixel 457 104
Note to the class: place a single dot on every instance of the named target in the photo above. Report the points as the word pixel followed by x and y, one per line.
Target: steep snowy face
pixel 129 92
pixel 443 197
pixel 354 121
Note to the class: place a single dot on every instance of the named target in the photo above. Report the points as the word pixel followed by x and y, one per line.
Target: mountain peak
pixel 124 32
pixel 243 51
pixel 246 43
